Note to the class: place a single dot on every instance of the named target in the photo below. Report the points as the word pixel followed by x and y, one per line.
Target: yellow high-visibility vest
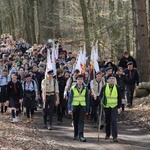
pixel 78 98
pixel 111 97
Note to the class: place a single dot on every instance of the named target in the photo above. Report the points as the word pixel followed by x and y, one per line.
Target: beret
pixel 98 72
pixel 27 75
pixel 73 57
pixel 79 76
pixel 62 63
pixel 130 63
pixel 50 71
pixel 30 68
pixel 108 68
pixel 110 75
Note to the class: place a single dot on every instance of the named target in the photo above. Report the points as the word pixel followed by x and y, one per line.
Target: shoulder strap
pixel 24 84
pixel 54 84
pixel 33 83
pixel 71 81
pixel 103 82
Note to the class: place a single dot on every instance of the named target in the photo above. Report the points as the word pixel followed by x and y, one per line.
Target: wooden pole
pixel 99 124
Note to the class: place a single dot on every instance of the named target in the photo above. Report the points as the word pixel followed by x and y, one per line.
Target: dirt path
pixel 32 136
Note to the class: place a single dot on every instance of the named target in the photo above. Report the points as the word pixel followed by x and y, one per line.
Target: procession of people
pixel 46 76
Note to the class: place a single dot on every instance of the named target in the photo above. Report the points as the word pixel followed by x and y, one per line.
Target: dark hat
pixel 14 73
pixel 11 58
pixel 73 57
pixel 50 71
pixel 130 63
pixel 125 52
pixel 27 75
pixel 108 68
pixel 98 72
pixel 110 75
pixel 62 64
pixel 30 68
pixel 79 76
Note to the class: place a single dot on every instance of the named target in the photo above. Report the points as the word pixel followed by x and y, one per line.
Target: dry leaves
pixel 139 115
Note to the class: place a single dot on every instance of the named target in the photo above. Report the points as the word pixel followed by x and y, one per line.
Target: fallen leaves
pixel 139 115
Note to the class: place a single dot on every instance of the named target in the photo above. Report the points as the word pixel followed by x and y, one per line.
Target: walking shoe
pixel 106 137
pixel 72 124
pixel 115 140
pixel 39 105
pixel 59 123
pixel 28 120
pixel 49 127
pixel 95 125
pixel 75 138
pixel 31 119
pixel 82 139
pixel 102 126
pixel 13 120
pixel 16 119
pixel 45 126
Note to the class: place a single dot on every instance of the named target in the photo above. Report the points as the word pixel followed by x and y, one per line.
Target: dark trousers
pixel 61 107
pixel 28 111
pixel 95 106
pixel 122 97
pixel 111 122
pixel 49 108
pixel 78 120
pixel 130 92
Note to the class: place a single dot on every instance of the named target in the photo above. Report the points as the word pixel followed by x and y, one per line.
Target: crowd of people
pixel 25 83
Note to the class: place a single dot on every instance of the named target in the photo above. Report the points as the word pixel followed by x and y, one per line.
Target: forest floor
pixel 134 132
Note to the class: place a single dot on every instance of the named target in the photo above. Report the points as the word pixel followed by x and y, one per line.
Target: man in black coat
pixel 132 82
pixel 125 59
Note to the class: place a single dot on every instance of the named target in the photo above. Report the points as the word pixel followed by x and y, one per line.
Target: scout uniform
pixel 14 95
pixel 4 79
pixel 30 92
pixel 49 90
pixel 96 87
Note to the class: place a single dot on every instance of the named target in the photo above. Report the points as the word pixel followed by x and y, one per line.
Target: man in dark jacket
pixel 125 59
pixel 131 83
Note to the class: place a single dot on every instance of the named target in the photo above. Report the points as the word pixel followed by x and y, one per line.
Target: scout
pixel 50 95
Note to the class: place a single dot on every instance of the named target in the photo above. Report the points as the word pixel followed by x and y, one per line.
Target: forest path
pixel 33 136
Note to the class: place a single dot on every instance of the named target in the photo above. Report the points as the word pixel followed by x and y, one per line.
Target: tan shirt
pixel 50 86
pixel 71 82
pixel 94 87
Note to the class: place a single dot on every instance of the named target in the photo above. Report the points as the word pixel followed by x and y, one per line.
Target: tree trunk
pixel 26 21
pixel 143 46
pixel 85 22
pixel 127 31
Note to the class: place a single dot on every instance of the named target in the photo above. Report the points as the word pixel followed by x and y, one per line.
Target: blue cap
pixel 27 75
pixel 108 68
pixel 130 63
